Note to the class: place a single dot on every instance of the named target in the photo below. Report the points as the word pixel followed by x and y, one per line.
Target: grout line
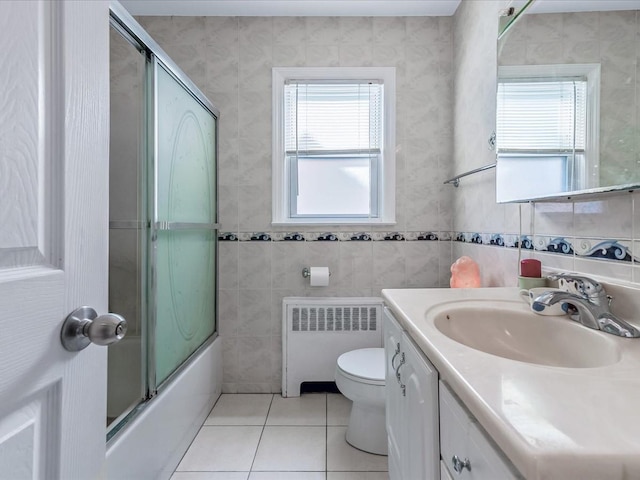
pixel 261 434
pixel 326 435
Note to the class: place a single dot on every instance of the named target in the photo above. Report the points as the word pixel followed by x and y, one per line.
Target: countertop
pixel 551 422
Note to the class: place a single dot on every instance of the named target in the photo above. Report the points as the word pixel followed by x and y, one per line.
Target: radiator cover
pixel 317 330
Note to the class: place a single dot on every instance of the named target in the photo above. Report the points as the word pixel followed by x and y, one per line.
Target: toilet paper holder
pixel 306 272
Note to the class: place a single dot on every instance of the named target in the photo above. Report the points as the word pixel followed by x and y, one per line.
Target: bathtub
pixel 152 444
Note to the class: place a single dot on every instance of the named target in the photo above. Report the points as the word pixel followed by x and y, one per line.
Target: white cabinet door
pixel 411 409
pixel 394 398
pixel 422 450
pixel 467 451
pixel 53 234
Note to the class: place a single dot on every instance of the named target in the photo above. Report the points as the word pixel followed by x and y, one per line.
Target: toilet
pixel 360 378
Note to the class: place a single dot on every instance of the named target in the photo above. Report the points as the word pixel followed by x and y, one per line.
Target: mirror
pixel 569 101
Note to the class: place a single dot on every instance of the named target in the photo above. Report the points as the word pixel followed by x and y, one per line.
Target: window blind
pixel 333 118
pixel 542 115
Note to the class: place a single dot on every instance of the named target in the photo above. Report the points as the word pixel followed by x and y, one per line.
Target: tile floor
pixel 267 437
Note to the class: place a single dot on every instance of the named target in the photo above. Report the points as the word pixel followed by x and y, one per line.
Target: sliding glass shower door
pixel 184 235
pixel 163 220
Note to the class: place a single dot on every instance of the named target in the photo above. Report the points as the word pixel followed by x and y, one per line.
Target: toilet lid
pixel 366 363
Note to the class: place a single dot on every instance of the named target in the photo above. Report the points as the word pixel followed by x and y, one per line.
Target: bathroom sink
pixel 510 330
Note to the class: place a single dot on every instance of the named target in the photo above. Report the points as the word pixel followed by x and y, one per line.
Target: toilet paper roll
pixel 319 276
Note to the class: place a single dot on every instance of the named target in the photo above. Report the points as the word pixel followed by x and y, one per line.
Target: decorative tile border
pixel 593 248
pixel 427 236
pixel 588 248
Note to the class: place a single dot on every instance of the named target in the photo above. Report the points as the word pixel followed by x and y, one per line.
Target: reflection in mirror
pixel 567 109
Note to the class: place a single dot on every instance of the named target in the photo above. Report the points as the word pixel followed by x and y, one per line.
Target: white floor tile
pixel 342 457
pixel 291 449
pixel 357 476
pixel 210 476
pixel 217 449
pixel 307 409
pixel 338 409
pixel 240 409
pixel 287 476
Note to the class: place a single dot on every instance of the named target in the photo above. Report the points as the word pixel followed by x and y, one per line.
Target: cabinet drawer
pixel 462 437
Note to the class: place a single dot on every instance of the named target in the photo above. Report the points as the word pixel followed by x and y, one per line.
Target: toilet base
pixel 367 430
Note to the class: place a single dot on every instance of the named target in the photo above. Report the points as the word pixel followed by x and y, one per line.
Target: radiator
pixel 316 331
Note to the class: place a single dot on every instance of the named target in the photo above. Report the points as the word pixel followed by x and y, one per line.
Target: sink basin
pixel 510 330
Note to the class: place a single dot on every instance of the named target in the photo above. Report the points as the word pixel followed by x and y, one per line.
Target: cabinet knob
pixel 459 465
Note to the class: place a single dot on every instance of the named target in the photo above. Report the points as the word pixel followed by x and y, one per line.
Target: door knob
pixel 83 326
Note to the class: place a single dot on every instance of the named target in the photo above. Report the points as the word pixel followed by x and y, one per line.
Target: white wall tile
pixel 356 268
pixel 600 218
pixel 389 30
pixel 355 55
pixel 221 30
pixel 255 361
pixel 228 265
pixel 289 30
pixel 389 265
pixel 553 218
pixel 323 30
pixel 422 264
pixel 622 271
pixel 255 30
pixel 356 30
pixel 254 313
pixel 422 206
pixel 254 161
pixel 254 208
pixel 288 260
pixel 254 265
pixel 287 55
pixel 228 311
pixel 323 55
pixel 228 208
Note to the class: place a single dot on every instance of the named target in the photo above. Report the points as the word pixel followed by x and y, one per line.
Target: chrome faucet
pixel 591 303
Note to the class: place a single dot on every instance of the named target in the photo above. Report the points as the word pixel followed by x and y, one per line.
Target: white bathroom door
pixel 54 100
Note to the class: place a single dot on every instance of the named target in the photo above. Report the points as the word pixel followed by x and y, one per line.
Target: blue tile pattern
pixel 600 249
pixel 360 236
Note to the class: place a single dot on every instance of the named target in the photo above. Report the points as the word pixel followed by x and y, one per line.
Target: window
pixel 333 145
pixel 546 133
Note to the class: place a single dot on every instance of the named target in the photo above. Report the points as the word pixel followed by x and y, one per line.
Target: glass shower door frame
pixel 124 23
pixel 157 225
pixel 141 224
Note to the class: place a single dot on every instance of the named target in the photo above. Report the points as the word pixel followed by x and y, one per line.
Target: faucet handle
pixel 585 286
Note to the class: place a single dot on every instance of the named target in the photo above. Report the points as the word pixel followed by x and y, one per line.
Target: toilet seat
pixel 364 366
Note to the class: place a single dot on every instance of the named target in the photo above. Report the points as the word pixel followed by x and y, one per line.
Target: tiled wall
pixel 563 235
pixel 230 59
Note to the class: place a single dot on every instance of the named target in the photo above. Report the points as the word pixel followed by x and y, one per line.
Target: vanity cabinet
pixel 411 407
pixel 467 451
pixel 431 434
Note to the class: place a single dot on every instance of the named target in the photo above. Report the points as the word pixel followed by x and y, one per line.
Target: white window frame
pixel 386 188
pixel 589 176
